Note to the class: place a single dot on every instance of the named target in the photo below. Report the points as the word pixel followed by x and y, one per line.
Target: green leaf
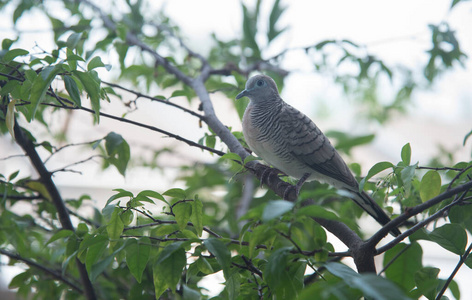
pixel 430 185
pixel 462 214
pixel 94 253
pixel 92 87
pixel 407 175
pixel 96 62
pixel 41 85
pixel 167 251
pixel 171 267
pixel 406 154
pixel 377 168
pixel 10 118
pixel 233 285
pixel 190 294
pixel 137 256
pixel 232 156
pixel 316 211
pixel 221 252
pixel 427 281
pixel 371 285
pixel 62 234
pixel 118 151
pixel 204 266
pixel 72 89
pixel 73 40
pixel 275 209
pixel 406 261
pixel 467 137
pixel 451 237
pixel 277 11
pixel 121 194
pixel 20 279
pixel 152 194
pixel 160 283
pixel 275 267
pixel 13 53
pixel 176 193
pixel 197 215
pixel 98 268
pixel 182 212
pixel 115 226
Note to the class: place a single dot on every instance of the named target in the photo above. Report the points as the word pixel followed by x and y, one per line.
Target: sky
pixel 395 31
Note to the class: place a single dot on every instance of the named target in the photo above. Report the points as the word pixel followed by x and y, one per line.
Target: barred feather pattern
pixel 290 141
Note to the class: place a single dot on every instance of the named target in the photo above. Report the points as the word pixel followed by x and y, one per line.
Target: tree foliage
pixel 163 244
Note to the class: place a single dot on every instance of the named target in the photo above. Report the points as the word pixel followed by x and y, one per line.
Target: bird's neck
pixel 262 110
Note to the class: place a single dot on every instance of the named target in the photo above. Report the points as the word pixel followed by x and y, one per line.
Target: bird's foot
pixel 296 187
pixel 267 173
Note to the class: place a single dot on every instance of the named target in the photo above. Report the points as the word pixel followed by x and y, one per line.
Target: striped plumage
pixel 288 140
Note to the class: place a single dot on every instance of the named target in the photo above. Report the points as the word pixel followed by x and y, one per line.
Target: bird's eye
pixel 260 82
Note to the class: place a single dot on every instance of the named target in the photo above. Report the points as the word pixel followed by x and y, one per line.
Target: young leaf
pixel 377 168
pixel 10 118
pixel 275 209
pixel 406 154
pixel 430 185
pixel 137 256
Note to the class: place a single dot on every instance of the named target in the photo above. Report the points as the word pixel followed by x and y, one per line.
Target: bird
pixel 290 141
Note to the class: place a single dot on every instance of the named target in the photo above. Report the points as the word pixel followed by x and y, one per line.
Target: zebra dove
pixel 289 141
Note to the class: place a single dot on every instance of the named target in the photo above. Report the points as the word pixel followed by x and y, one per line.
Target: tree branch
pixel 454 272
pixel 46 270
pixel 45 176
pixel 410 212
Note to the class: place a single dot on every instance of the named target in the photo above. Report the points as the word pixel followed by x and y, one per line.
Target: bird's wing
pixel 308 144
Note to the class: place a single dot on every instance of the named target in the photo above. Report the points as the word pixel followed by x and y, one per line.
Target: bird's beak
pixel 242 94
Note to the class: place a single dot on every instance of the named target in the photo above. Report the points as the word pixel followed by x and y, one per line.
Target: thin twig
pixel 410 212
pixel 166 101
pixel 420 225
pixel 454 272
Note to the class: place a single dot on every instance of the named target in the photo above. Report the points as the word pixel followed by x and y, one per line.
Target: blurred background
pixel 434 120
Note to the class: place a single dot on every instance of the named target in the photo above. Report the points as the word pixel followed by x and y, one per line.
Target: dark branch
pixel 46 270
pixel 30 150
pixel 410 212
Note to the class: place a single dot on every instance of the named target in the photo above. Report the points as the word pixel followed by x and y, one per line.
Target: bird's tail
pixel 368 204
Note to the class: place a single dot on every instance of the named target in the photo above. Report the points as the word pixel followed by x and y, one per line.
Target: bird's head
pixel 260 88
